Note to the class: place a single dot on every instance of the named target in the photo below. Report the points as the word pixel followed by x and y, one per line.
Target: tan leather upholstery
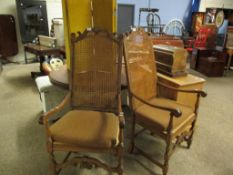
pixel 157 120
pixel 87 129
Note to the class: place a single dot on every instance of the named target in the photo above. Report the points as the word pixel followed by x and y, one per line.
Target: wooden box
pixel 196 54
pixel 168 41
pixel 189 82
pixel 170 60
pixel 211 66
pixel 47 41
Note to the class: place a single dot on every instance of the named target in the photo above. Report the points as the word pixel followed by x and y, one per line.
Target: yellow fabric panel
pixel 77 17
pixel 105 14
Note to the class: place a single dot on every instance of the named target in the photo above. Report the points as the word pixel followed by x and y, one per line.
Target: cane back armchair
pixel 165 118
pixel 95 121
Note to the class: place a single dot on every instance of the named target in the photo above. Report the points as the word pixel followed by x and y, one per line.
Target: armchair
pixel 95 122
pixel 172 122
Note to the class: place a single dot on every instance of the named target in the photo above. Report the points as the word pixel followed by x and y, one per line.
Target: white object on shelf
pixel 59 31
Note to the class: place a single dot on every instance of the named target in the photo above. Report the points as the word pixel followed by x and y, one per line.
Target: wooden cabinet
pixel 8 39
pixel 188 82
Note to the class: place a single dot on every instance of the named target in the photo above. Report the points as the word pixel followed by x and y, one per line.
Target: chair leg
pixel 53 162
pixel 120 154
pixel 166 156
pixel 189 141
pixel 190 138
pixel 132 143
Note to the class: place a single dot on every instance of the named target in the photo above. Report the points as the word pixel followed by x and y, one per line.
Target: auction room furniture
pixel 208 61
pixel 8 39
pixel 95 122
pixel 172 121
pixel 170 60
pixel 188 82
pixel 168 40
pixel 50 95
pixel 60 77
pixel 40 52
pixel 230 53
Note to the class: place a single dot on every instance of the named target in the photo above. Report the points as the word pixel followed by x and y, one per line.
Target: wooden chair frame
pixel 171 142
pixel 86 161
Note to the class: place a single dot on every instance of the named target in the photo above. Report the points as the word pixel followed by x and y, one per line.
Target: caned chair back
pixel 140 65
pixel 95 72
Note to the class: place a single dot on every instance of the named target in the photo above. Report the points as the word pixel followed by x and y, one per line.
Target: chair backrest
pixel 140 65
pixel 95 72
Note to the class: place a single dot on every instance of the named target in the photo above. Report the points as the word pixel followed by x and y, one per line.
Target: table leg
pixel 25 57
pixel 229 62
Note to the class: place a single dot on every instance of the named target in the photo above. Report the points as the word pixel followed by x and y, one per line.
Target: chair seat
pixel 157 120
pixel 87 129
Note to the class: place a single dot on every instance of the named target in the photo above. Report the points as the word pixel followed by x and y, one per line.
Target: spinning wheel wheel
pixel 174 27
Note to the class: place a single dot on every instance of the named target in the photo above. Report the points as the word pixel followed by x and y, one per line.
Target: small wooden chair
pixel 95 122
pixel 169 120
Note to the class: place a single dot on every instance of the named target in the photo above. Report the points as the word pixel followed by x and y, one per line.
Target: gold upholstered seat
pixel 172 122
pixel 95 121
pixel 91 129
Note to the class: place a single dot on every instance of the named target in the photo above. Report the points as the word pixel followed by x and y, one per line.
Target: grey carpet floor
pixel 22 139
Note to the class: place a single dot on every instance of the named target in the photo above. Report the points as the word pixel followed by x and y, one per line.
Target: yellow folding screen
pixel 77 16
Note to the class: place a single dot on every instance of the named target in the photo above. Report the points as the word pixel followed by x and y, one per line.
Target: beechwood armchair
pixel 95 122
pixel 172 122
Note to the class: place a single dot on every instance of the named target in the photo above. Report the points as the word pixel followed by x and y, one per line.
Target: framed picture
pixel 197 21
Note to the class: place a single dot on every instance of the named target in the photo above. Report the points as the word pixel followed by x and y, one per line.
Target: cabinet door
pixel 8 39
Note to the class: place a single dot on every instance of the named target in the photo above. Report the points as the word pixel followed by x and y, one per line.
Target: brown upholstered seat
pixel 90 129
pixel 157 120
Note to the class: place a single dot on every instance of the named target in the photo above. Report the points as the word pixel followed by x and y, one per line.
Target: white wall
pixel 54 10
pixel 215 3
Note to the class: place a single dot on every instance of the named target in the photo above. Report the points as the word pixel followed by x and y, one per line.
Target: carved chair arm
pixel 173 112
pixel 56 109
pixel 196 91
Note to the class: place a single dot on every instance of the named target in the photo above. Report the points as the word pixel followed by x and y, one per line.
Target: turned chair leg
pixel 132 143
pixel 166 155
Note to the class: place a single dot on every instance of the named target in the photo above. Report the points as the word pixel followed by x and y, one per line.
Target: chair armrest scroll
pixel 173 112
pixel 56 109
pixel 195 91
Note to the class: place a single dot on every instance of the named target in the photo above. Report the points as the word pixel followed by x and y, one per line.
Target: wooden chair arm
pixel 196 91
pixel 173 112
pixel 56 109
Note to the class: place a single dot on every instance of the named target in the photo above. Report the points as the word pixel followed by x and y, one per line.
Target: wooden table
pixel 188 82
pixel 41 52
pixel 60 77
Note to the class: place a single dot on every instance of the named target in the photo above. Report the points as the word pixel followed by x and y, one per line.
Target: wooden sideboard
pixel 188 82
